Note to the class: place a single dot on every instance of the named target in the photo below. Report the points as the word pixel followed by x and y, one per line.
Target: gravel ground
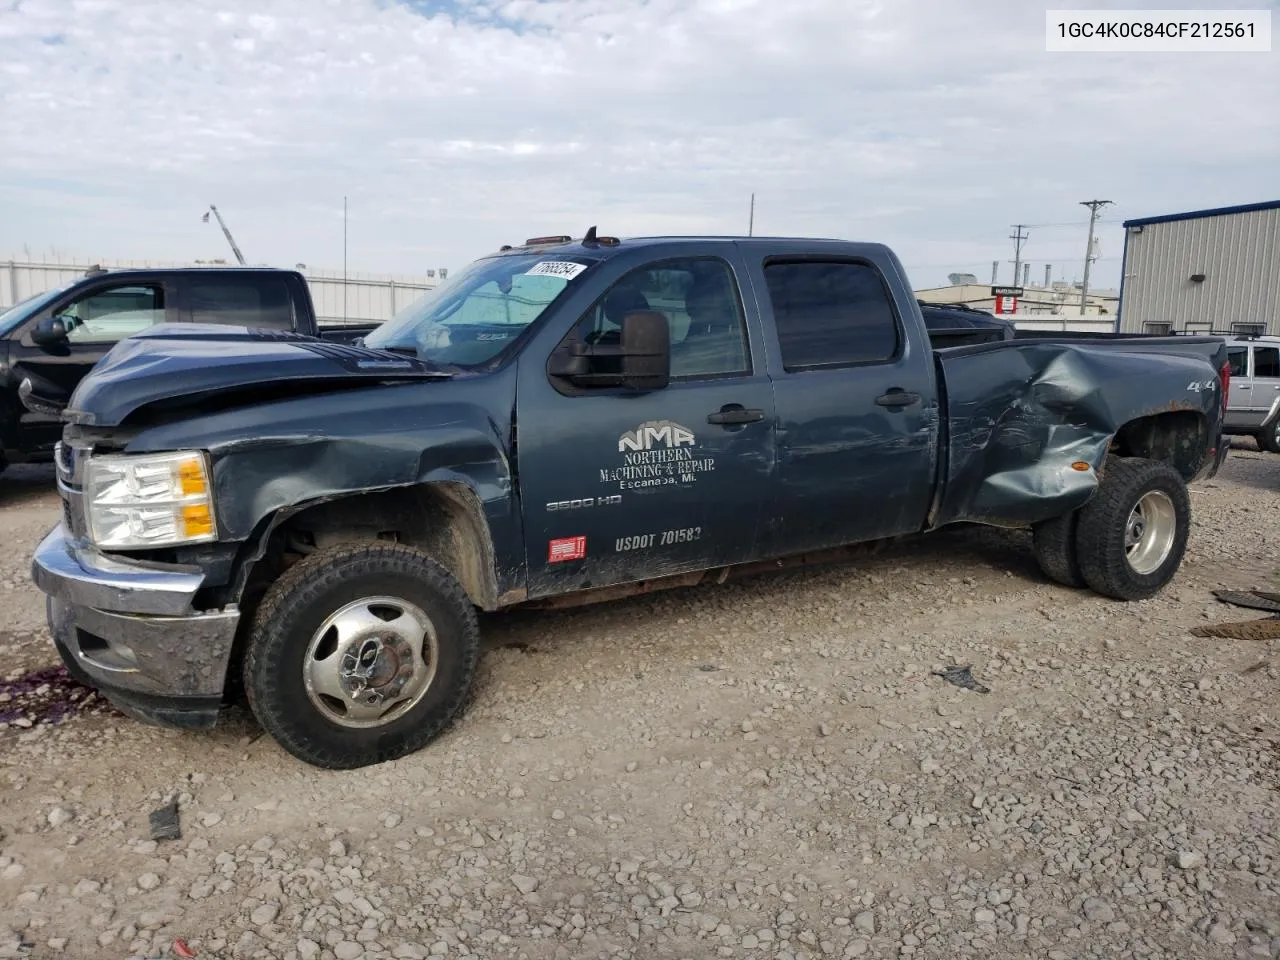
pixel 767 769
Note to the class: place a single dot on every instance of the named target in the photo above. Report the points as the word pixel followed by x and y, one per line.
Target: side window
pixel 1237 360
pixel 831 313
pixel 114 313
pixel 699 298
pixel 1266 362
pixel 241 301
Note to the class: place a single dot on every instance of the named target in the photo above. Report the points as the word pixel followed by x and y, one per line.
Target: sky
pixel 454 127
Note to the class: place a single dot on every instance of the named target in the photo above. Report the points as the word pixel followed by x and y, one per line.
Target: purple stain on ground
pixel 47 696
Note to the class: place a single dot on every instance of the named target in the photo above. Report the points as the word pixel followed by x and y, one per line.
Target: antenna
pixel 590 235
pixel 751 222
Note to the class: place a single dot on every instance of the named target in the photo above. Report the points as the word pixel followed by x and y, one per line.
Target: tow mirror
pixel 646 351
pixel 49 332
pixel 638 358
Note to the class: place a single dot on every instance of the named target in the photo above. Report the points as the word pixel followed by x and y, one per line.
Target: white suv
pixel 1253 406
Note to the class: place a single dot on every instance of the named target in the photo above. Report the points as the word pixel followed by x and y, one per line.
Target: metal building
pixel 1206 271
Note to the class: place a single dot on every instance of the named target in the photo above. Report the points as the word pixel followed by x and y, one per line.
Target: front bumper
pixel 129 629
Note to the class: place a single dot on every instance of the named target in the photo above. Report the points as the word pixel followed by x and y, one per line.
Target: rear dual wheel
pixel 1129 540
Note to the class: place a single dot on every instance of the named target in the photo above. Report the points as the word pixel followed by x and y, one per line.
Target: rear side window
pixel 831 314
pixel 1238 361
pixel 1266 362
pixel 259 302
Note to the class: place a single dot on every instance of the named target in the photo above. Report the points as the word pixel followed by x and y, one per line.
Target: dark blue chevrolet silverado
pixel 569 421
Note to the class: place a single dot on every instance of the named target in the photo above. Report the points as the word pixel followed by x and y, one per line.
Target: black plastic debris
pixel 962 677
pixel 708 668
pixel 1250 599
pixel 164 822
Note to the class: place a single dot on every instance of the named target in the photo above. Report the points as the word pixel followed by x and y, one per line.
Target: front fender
pixel 277 458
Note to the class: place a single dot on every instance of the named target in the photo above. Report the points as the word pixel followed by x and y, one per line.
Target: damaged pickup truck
pixel 568 421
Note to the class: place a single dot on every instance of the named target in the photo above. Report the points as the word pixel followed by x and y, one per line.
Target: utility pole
pixel 751 223
pixel 344 259
pixel 1017 237
pixel 1093 206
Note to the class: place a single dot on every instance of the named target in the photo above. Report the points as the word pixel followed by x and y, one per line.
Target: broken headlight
pixel 159 500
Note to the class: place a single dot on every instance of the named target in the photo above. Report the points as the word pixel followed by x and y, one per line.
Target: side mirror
pixel 50 332
pixel 639 359
pixel 646 351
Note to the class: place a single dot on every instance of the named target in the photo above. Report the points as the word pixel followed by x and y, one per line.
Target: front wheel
pixel 359 654
pixel 1131 537
pixel 1269 438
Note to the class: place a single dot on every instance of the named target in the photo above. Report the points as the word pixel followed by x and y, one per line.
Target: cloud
pixel 456 127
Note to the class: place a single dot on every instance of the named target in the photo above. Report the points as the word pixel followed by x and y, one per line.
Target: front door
pixel 857 416
pixel 96 320
pixel 618 487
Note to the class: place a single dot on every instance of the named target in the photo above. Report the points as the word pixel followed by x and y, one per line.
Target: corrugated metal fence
pixel 360 297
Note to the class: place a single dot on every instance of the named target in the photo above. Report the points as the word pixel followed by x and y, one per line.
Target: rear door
pixel 1265 380
pixel 618 486
pixel 857 416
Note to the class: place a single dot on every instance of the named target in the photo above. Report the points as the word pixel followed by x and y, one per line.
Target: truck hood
pixel 192 362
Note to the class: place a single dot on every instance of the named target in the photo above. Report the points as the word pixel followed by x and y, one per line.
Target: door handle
pixel 897 398
pixel 734 414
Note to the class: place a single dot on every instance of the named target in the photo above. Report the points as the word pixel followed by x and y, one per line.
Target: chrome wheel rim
pixel 370 662
pixel 1149 532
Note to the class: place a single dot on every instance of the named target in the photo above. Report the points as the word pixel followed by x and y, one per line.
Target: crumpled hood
pixel 192 360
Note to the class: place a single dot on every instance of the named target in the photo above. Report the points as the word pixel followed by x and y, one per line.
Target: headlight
pixel 149 501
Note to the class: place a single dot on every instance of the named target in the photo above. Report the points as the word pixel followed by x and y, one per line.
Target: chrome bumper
pixel 129 627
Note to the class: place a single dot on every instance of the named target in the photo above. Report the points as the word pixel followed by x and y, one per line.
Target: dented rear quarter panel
pixel 1018 414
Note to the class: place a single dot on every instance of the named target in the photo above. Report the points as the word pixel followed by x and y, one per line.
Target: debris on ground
pixel 1250 599
pixel 165 824
pixel 47 696
pixel 1268 628
pixel 962 677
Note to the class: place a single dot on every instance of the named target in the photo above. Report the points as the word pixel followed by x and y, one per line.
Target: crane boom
pixel 227 233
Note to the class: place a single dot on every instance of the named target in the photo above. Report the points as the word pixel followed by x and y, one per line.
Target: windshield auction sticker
pixel 565 269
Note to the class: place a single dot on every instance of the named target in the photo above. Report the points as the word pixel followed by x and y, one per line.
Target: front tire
pixel 1132 536
pixel 359 654
pixel 1269 439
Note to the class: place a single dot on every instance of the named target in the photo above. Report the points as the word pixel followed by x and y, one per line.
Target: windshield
pixel 472 318
pixel 24 308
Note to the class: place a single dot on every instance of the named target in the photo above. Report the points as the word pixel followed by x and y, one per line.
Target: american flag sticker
pixel 566 548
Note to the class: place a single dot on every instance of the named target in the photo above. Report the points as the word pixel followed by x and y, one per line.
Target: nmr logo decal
pixel 656 433
pixel 658 453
